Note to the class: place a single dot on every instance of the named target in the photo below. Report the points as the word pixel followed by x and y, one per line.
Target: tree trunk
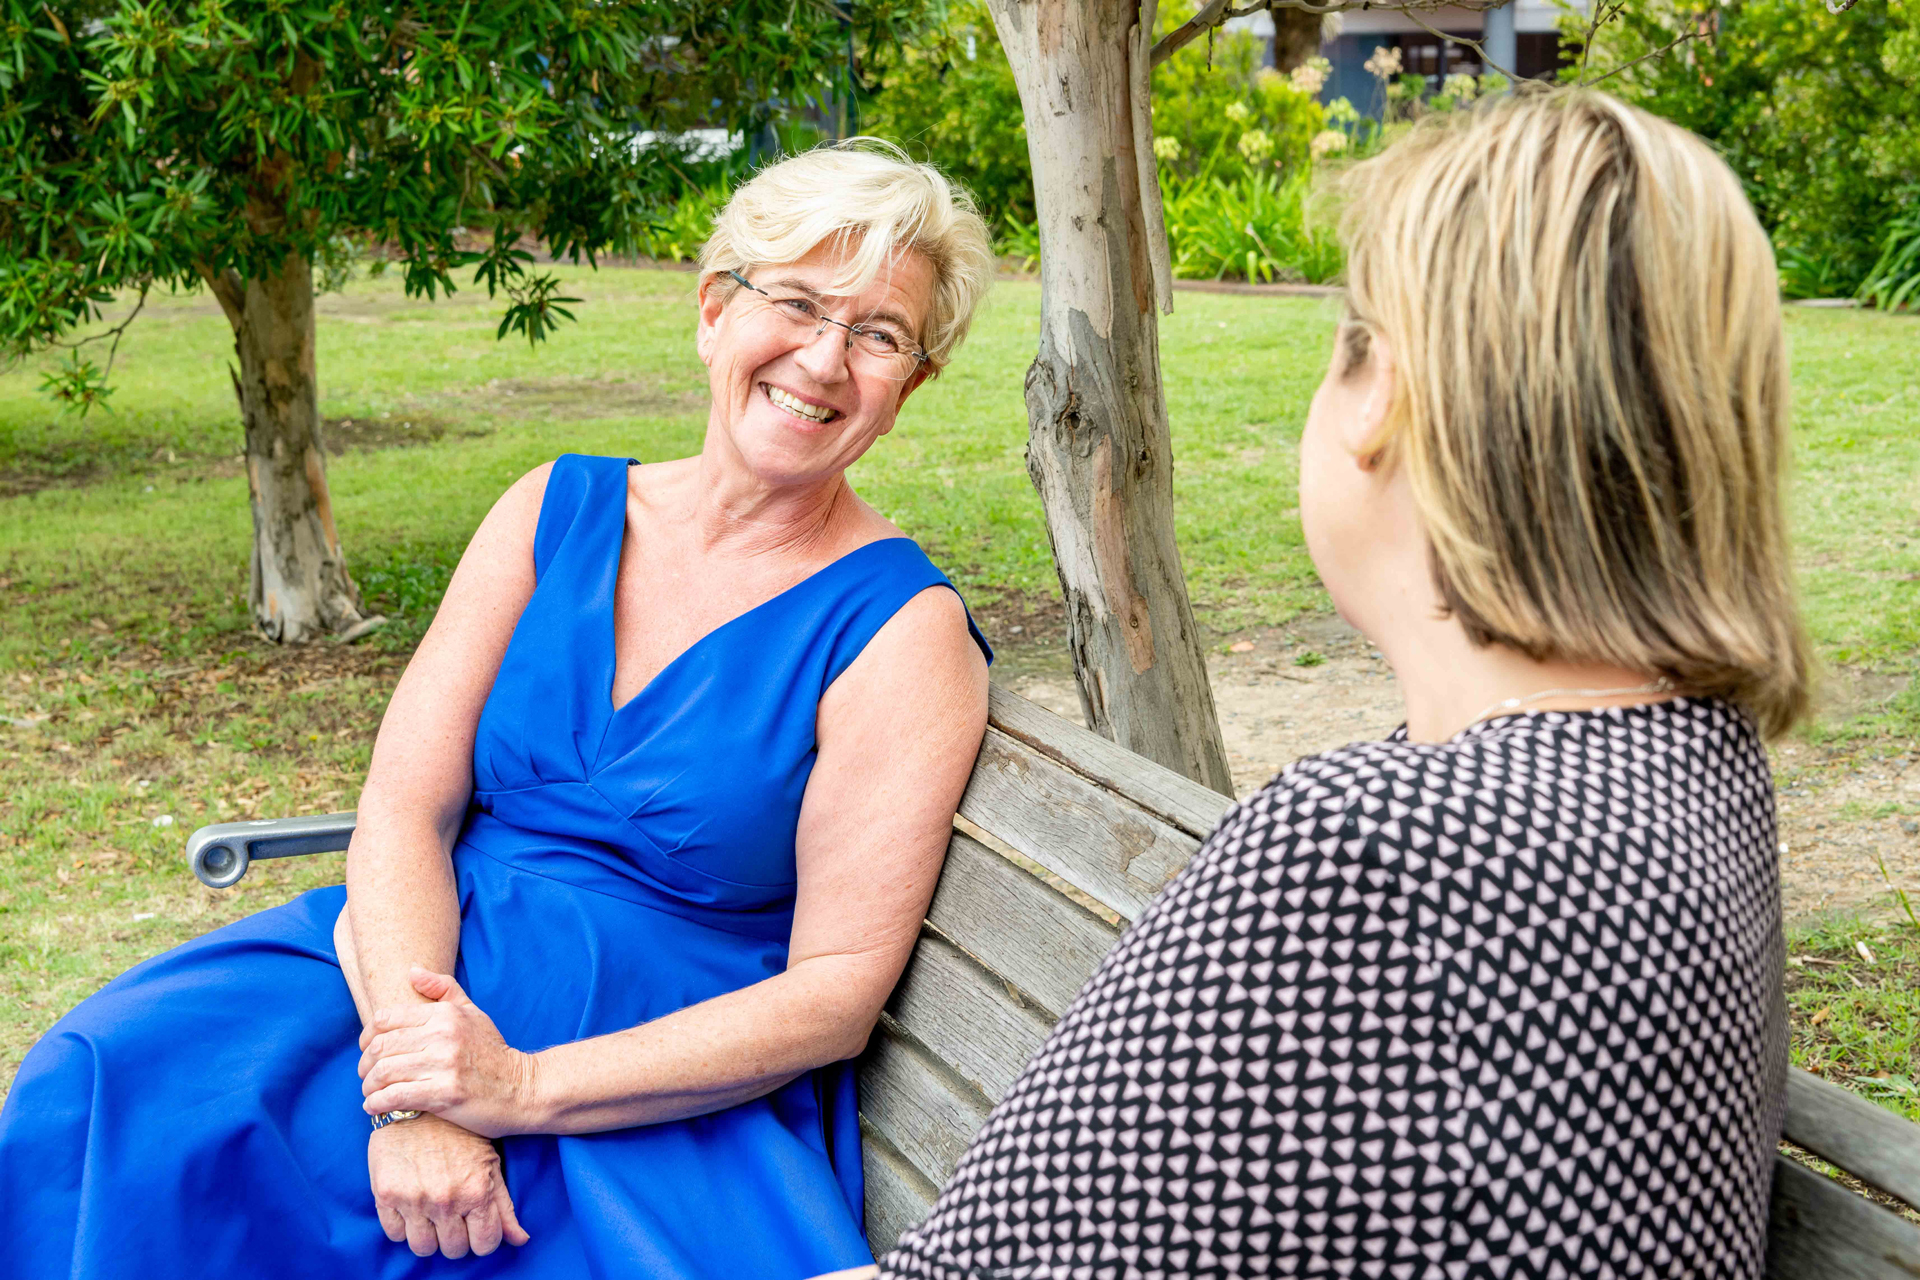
pixel 1099 449
pixel 1296 37
pixel 299 587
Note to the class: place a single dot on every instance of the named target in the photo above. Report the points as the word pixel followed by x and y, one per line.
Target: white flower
pixel 1255 145
pixel 1167 149
pixel 1311 76
pixel 1327 142
pixel 1385 63
pixel 1460 88
pixel 1237 112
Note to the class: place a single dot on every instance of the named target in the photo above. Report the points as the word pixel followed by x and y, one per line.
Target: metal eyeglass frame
pixel 853 330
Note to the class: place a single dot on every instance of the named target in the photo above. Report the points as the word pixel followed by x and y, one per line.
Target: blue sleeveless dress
pixel 200 1115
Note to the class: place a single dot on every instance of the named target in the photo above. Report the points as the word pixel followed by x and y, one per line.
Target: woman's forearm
pixel 403 909
pixel 716 1054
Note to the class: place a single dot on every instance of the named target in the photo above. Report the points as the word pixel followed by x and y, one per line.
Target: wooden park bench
pixel 1062 838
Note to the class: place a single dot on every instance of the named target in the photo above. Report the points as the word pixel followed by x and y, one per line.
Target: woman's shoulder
pixel 1618 768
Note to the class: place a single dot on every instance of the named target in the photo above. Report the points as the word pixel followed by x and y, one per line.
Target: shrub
pixel 1254 226
pixel 1233 116
pixel 950 98
pixel 1893 281
pixel 677 231
pixel 1818 113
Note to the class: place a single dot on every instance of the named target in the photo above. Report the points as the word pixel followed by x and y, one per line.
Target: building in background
pixel 1521 36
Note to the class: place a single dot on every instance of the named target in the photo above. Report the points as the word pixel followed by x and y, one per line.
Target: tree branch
pixel 1474 45
pixel 1680 39
pixel 1216 12
pixel 115 333
pixel 1146 164
pixel 227 290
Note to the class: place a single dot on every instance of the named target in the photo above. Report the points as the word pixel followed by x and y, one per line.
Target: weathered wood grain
pixel 1872 1144
pixel 1093 839
pixel 1017 926
pixel 1174 798
pixel 1819 1230
pixel 966 1018
pixel 897 1196
pixel 918 1105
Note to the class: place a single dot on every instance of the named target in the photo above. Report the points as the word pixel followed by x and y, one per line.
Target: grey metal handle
pixel 220 854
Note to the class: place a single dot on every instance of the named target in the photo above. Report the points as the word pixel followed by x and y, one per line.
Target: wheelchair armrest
pixel 219 854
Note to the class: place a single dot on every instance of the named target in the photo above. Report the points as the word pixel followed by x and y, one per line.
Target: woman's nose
pixel 825 356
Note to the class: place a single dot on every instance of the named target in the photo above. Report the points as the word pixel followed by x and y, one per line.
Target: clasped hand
pixel 437 1180
pixel 447 1058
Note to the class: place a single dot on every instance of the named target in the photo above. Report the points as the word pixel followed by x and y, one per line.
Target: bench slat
pixel 1173 797
pixel 897 1196
pixel 1819 1230
pixel 1016 925
pixel 965 1017
pixel 1096 841
pixel 907 1098
pixel 1869 1142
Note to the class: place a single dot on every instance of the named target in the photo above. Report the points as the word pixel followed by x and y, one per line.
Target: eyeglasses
pixel 879 349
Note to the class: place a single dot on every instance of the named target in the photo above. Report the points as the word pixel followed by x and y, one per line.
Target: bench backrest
pixel 1061 840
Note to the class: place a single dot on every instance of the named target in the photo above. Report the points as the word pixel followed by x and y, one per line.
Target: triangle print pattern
pixel 1506 1007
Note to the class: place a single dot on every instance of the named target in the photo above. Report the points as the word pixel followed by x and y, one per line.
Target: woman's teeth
pixel 797 406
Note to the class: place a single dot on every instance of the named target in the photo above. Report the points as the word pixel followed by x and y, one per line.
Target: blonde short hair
pixel 1590 390
pixel 868 195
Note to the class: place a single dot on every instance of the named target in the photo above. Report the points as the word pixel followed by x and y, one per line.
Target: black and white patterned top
pixel 1508 1006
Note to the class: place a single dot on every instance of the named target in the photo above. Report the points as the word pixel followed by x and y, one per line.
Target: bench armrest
pixel 219 854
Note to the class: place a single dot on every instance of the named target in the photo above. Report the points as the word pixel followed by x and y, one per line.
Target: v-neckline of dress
pixel 613 604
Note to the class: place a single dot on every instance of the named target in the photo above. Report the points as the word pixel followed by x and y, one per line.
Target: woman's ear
pixel 1365 430
pixel 915 381
pixel 711 305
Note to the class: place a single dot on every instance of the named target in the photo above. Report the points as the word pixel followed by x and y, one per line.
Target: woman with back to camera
pixel 1499 996
pixel 663 792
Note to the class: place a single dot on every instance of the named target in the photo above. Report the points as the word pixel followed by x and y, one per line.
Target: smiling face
pixel 793 406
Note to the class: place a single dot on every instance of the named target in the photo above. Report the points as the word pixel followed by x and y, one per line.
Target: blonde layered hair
pixel 1590 390
pixel 867 197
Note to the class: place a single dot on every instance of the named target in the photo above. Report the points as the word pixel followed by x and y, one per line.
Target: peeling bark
pixel 1099 449
pixel 299 588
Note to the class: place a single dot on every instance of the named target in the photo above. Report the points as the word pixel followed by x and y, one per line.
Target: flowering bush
pixel 951 99
pixel 1328 142
pixel 1384 63
pixel 1310 76
pixel 1235 117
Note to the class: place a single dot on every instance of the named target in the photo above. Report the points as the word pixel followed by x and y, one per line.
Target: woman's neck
pixel 1450 683
pixel 738 513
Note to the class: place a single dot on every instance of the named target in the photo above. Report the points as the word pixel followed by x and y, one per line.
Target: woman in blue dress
pixel 651 823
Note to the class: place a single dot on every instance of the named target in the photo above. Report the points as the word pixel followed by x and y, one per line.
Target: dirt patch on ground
pixel 573 399
pixel 17 481
pixel 392 429
pixel 1316 684
pixel 460 415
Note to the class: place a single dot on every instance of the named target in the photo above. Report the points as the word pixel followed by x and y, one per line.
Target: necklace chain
pixel 1662 685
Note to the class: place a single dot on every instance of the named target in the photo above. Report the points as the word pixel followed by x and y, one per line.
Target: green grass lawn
pixel 132 692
